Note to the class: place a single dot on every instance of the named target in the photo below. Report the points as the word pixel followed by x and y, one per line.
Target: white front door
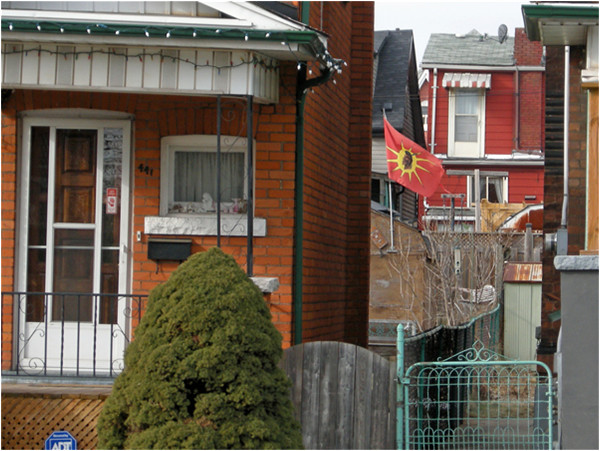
pixel 74 210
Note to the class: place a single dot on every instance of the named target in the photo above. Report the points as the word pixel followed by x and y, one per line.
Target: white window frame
pixel 197 223
pixel 193 143
pixel 483 178
pixel 458 149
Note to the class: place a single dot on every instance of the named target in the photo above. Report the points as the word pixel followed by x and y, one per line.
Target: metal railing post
pixel 400 387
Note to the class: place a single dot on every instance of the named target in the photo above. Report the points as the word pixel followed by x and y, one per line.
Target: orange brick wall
pixel 337 180
pixel 9 168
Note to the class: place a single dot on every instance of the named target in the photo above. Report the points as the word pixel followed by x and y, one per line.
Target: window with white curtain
pixel 492 188
pixel 189 175
pixel 466 123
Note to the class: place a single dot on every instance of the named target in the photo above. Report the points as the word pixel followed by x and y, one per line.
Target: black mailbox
pixel 169 249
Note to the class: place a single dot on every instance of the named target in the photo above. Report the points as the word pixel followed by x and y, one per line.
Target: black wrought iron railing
pixel 72 334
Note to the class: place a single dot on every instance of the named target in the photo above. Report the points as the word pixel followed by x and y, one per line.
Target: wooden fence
pixel 29 419
pixel 345 396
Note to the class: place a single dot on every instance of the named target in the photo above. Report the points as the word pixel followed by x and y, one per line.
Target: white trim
pixel 124 19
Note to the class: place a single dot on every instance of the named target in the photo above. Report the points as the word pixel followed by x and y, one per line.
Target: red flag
pixel 409 164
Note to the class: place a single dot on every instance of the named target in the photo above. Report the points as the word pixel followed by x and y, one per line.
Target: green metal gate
pixel 476 399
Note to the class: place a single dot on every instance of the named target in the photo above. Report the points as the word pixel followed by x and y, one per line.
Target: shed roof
pixel 471 49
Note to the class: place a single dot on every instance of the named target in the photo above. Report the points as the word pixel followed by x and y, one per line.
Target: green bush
pixel 202 370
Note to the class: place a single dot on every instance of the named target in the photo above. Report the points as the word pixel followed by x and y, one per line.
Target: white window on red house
pixel 466 122
pixel 492 188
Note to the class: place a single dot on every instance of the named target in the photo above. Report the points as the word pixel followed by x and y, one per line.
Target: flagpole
pixel 392 249
pixel 390 205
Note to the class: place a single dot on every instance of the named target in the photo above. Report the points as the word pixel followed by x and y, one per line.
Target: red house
pixel 485 122
pixel 115 119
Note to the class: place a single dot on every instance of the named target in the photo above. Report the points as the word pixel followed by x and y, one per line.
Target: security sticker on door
pixel 111 201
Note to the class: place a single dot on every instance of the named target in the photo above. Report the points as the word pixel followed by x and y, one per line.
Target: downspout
pixel 562 236
pixel 433 110
pixel 517 110
pixel 303 86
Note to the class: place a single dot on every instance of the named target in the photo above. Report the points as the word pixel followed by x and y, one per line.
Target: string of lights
pixel 287 37
pixel 142 55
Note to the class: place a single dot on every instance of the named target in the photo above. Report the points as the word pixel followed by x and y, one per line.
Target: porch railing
pixel 71 334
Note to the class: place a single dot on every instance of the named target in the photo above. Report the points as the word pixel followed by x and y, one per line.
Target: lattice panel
pixel 27 421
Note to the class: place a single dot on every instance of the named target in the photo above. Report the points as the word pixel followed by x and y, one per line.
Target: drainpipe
pixel 433 110
pixel 517 110
pixel 303 86
pixel 562 236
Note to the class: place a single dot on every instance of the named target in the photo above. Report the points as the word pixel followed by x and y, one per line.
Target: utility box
pixel 522 309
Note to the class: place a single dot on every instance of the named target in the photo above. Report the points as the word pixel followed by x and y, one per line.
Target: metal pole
pixel 391 206
pixel 219 171
pixel 477 202
pixel 400 387
pixel 250 214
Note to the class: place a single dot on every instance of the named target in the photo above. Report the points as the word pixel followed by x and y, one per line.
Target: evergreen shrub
pixel 202 370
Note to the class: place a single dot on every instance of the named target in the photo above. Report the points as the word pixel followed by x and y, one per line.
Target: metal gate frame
pixel 475 399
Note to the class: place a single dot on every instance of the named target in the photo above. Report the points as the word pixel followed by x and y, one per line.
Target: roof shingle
pixel 472 49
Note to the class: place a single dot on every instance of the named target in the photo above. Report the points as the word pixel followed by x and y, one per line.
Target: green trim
pixel 156 31
pixel 305 12
pixel 299 220
pixel 532 14
pixel 299 197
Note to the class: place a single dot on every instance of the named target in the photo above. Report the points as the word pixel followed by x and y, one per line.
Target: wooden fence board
pixel 345 401
pixel 310 393
pixel 346 396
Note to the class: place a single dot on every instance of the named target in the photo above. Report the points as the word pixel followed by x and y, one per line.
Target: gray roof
pixel 392 56
pixel 472 49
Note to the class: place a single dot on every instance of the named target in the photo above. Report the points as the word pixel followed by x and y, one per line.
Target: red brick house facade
pixel 485 114
pixel 311 164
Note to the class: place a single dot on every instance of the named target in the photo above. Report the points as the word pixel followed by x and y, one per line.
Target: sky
pixel 427 17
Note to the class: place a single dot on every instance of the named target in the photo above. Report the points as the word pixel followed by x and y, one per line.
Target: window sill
pixel 203 225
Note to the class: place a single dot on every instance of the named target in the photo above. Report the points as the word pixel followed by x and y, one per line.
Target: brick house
pixel 115 118
pixel 569 321
pixel 485 115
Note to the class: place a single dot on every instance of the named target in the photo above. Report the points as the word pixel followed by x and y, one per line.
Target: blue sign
pixel 60 440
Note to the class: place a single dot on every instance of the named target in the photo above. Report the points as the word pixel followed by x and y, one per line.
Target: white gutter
pixel 433 111
pixel 466 68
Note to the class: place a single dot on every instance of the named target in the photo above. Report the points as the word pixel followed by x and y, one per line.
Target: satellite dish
pixel 502 33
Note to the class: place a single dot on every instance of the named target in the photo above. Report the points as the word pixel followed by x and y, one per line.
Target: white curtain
pixel 494 190
pixel 196 174
pixel 466 112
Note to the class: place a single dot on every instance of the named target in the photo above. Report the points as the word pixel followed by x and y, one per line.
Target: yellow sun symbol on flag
pixel 407 162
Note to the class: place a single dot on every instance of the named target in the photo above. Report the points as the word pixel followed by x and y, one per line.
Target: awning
pixel 466 80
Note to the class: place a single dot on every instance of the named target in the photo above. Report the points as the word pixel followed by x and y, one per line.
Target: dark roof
pixel 392 56
pixel 471 49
